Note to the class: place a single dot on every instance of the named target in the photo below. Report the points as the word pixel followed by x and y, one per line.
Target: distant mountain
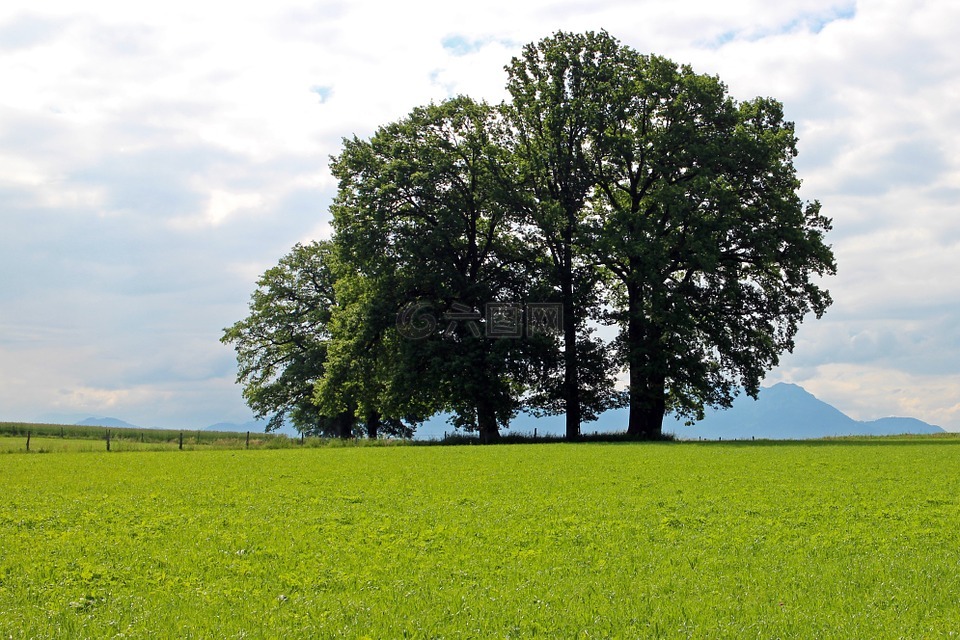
pixel 106 422
pixel 253 425
pixel 895 426
pixel 787 411
pixel 783 411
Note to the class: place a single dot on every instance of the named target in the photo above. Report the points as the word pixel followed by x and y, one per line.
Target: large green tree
pixel 423 214
pixel 557 87
pixel 695 211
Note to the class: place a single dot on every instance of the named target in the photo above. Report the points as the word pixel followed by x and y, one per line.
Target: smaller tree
pixel 557 88
pixel 282 345
pixel 361 361
pixel 424 215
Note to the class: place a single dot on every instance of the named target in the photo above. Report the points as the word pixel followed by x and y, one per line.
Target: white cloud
pixel 224 203
pixel 155 158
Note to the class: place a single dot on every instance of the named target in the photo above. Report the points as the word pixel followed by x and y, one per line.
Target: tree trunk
pixel 571 373
pixel 344 425
pixel 648 391
pixel 647 405
pixel 571 378
pixel 487 424
pixel 373 424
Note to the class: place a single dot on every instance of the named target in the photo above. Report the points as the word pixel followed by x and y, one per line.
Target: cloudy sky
pixel 155 158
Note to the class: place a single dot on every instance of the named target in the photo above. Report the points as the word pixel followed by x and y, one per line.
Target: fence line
pixel 114 439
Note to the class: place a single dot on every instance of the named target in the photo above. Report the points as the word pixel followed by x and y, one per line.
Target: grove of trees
pixel 619 216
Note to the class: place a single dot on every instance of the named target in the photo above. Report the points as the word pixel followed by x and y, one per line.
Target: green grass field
pixel 764 540
pixel 47 438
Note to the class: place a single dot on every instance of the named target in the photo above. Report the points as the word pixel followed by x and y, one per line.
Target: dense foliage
pixel 477 249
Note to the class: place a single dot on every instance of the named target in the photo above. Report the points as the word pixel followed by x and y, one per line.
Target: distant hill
pixel 895 426
pixel 106 422
pixel 783 411
pixel 788 411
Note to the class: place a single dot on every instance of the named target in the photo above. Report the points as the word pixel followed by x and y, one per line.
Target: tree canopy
pixel 281 346
pixel 613 189
pixel 422 214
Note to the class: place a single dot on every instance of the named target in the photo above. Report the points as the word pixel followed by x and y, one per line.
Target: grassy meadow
pixel 58 438
pixel 846 539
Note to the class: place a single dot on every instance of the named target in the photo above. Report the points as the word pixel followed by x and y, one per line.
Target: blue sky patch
pixel 323 91
pixel 817 23
pixel 813 23
pixel 460 45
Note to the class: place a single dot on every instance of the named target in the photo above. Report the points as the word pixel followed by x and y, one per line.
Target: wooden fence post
pixel 248 439
pixel 181 441
pixel 108 439
pixel 28 441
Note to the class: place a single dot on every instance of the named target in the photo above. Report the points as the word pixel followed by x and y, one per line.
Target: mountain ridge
pixel 783 411
pixel 788 411
pixel 107 422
